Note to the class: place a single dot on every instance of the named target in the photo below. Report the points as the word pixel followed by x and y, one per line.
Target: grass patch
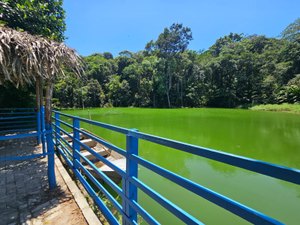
pixel 290 108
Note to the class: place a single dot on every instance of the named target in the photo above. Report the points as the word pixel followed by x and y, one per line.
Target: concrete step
pixel 67 138
pixel 112 174
pixel 91 157
pixel 89 142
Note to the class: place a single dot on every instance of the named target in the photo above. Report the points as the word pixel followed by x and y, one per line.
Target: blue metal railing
pixel 16 123
pixel 16 120
pixel 130 208
pixel 21 123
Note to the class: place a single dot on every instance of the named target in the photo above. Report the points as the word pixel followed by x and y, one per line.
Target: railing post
pixel 50 151
pixel 129 189
pixel 38 124
pixel 76 145
pixel 42 113
pixel 57 129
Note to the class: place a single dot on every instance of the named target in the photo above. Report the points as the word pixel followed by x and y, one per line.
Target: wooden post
pixel 41 93
pixel 48 107
pixel 38 111
pixel 42 113
pixel 50 144
pixel 37 93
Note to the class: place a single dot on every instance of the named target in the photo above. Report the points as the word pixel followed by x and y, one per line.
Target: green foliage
pixel 285 107
pixel 46 18
pixel 173 40
pixel 11 97
pixel 292 32
pixel 224 42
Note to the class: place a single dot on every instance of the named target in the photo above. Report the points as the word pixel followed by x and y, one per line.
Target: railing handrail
pixel 131 182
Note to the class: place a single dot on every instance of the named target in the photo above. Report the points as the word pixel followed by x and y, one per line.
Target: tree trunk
pixel 41 93
pixel 168 98
pixel 37 93
pixel 50 144
pixel 48 108
pixel 168 85
pixel 181 92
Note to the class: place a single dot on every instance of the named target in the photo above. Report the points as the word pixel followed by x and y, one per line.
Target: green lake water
pixel 270 136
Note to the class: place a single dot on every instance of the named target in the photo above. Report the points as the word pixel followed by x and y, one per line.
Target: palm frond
pixel 24 57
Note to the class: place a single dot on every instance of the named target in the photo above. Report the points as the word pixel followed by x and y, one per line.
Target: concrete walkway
pixel 24 194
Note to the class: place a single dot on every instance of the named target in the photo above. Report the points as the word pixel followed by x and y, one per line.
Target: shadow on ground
pixel 24 194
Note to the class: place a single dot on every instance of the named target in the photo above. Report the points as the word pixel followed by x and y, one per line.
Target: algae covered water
pixel 268 136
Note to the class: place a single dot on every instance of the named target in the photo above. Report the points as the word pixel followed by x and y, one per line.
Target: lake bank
pixel 289 108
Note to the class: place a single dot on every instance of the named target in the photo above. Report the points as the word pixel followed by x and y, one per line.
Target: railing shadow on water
pixel 130 208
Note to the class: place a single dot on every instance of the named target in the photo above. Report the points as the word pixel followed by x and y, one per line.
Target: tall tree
pixel 169 45
pixel 292 31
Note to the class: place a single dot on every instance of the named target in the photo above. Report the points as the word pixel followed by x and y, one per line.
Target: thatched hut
pixel 26 59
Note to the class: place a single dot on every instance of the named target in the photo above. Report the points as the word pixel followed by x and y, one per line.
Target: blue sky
pixel 116 25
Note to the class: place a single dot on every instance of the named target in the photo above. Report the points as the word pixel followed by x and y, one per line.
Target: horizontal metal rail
pixel 18 109
pixel 269 169
pixel 18 136
pixel 25 157
pixel 181 214
pixel 64 123
pixel 109 216
pixel 25 123
pixel 18 113
pixel 17 126
pixel 131 183
pixel 104 177
pixel 96 123
pixel 17 122
pixel 101 141
pixel 16 117
pixel 102 159
pixel 102 189
pixel 226 203
pixel 65 157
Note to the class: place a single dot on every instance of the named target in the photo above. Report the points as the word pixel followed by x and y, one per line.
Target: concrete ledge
pixel 86 210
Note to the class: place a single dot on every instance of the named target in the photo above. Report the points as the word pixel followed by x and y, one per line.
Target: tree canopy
pixel 292 31
pixel 236 71
pixel 38 17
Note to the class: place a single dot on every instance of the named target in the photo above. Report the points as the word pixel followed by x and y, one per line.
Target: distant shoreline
pixel 285 107
pixel 288 108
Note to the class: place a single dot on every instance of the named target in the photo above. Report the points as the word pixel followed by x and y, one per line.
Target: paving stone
pixel 13 223
pixel 39 209
pixel 25 216
pixel 54 201
pixel 10 178
pixel 11 215
pixel 29 222
pixel 2 181
pixel 26 223
pixel 22 206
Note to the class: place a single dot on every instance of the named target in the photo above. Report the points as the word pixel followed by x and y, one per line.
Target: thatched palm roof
pixel 24 58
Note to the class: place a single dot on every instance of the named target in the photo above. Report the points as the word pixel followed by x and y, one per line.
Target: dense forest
pixel 236 71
